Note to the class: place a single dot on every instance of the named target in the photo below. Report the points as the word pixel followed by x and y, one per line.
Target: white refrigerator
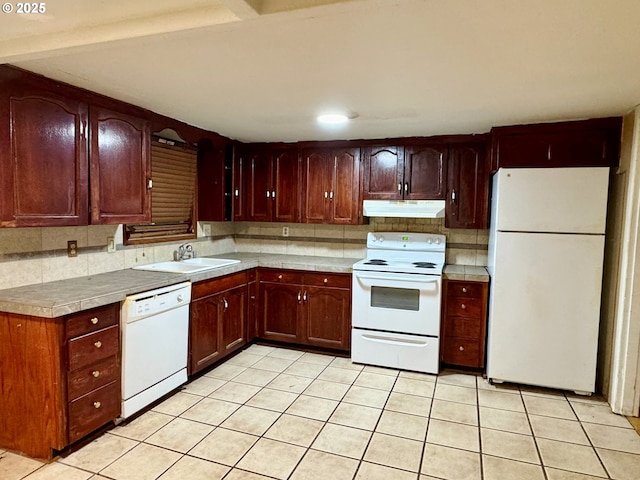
pixel 546 251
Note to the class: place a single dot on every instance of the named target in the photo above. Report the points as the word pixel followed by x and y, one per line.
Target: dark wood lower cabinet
pixel 60 378
pixel 306 308
pixel 464 321
pixel 218 323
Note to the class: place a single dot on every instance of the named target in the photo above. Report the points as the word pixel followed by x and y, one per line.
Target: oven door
pixel 397 302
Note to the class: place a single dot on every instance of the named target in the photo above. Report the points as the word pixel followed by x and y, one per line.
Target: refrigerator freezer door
pixel 560 200
pixel 544 309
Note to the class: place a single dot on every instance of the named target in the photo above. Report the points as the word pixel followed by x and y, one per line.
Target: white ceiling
pixel 261 70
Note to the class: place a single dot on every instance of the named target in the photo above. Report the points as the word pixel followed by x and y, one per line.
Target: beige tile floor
pixel 285 414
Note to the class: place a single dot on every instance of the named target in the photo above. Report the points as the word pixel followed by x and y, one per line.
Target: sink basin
pixel 191 265
pixel 210 262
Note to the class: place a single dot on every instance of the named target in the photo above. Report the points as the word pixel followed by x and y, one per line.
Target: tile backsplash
pixel 37 255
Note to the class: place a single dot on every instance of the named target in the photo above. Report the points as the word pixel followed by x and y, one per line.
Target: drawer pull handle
pixel 96 373
pixel 464 289
pixel 98 344
pixel 463 306
pixel 97 404
pixel 461 348
pixel 94 320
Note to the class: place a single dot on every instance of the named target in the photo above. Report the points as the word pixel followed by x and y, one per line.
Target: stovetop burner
pixel 424 264
pixel 376 261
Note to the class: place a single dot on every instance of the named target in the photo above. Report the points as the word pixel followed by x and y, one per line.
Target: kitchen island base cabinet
pixel 464 321
pixel 305 308
pixel 60 378
pixel 218 324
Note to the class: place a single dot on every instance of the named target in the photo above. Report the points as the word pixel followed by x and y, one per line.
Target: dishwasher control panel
pixel 144 304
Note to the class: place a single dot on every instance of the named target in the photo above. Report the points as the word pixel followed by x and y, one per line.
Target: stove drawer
pixel 395 350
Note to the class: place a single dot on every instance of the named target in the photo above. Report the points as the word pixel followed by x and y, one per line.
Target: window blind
pixel 173 173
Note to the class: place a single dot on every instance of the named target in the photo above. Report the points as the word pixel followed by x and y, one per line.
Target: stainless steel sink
pixel 191 265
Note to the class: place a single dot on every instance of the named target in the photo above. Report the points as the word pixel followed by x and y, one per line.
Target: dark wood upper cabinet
pixel 238 192
pixel 258 185
pixel 43 157
pixel 586 143
pixel 383 173
pixel 330 186
pixel 212 179
pixel 412 172
pixel 120 161
pixel 285 196
pixel 467 189
pixel 425 170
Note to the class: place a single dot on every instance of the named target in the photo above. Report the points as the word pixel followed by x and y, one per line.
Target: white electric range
pixel 396 300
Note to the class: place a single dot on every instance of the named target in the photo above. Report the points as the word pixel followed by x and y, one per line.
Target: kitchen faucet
pixel 185 251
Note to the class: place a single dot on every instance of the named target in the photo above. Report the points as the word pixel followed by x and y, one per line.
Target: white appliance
pixel 403 208
pixel 396 299
pixel 546 250
pixel 155 330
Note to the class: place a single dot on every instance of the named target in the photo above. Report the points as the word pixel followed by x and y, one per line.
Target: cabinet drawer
pixel 93 410
pixel 93 376
pixel 92 320
pixel 217 285
pixel 95 346
pixel 465 289
pixel 327 280
pixel 466 307
pixel 463 351
pixel 463 327
pixel 281 276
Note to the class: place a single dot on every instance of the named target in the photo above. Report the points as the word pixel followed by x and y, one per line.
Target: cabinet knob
pixel 97 404
pixel 326 280
pixel 463 306
pixel 96 373
pixel 98 344
pixel 464 289
pixel 94 320
pixel 280 277
pixel 461 348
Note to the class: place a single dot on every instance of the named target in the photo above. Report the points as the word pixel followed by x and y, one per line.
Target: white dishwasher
pixel 155 332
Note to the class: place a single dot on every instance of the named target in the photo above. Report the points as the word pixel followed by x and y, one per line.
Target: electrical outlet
pixel 285 231
pixel 111 245
pixel 206 228
pixel 72 248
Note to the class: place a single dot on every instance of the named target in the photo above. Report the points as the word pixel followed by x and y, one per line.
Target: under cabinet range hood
pixel 404 208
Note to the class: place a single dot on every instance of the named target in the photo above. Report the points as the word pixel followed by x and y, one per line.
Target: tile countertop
pixel 54 299
pixel 467 273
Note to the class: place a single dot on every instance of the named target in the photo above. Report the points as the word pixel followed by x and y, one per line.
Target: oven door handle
pixel 394 341
pixel 397 278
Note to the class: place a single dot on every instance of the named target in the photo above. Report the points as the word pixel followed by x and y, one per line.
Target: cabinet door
pixel 234 319
pixel 43 154
pixel 239 183
pixel 280 304
pixel 211 183
pixel 317 184
pixel 344 196
pixel 425 172
pixel 258 186
pixel 286 184
pixel 120 159
pixel 383 173
pixel 327 318
pixel 204 343
pixel 467 197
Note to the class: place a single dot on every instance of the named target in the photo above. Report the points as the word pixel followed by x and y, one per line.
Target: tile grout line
pixel 588 438
pixel 535 440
